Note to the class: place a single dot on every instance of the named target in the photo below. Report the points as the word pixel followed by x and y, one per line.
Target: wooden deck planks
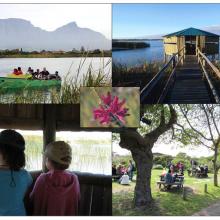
pixel 189 86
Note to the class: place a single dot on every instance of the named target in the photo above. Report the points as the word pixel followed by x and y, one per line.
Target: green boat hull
pixel 14 85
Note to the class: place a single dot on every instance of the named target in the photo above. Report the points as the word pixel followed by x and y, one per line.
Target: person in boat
pixel 19 71
pixel 15 181
pixel 30 71
pixel 15 72
pixel 57 192
pixel 36 74
pixel 45 72
pixel 55 76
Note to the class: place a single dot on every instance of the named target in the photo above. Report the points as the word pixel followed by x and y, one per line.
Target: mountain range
pixel 19 33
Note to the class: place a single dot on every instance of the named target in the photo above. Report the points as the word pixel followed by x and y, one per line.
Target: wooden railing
pixel 203 60
pixel 173 62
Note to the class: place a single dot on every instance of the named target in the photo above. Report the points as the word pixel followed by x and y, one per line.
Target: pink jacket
pixel 56 193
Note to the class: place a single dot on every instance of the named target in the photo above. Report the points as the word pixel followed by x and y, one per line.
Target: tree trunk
pixel 144 161
pixel 215 173
pixel 215 166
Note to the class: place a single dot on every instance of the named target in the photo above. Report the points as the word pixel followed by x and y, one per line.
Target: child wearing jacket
pixel 57 192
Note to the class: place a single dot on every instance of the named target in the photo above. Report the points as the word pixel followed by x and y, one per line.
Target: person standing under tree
pixel 131 169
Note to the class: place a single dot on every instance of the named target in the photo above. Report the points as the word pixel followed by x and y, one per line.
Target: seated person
pixel 15 72
pixel 30 71
pixel 44 72
pixel 114 170
pixel 19 71
pixel 124 180
pixel 57 75
pixel 168 177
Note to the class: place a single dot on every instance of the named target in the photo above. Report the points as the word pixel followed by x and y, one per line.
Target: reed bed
pixel 69 93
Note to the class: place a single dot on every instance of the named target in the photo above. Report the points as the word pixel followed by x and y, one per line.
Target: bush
pixel 158 167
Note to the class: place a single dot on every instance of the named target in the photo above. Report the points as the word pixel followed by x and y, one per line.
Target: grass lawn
pixel 167 203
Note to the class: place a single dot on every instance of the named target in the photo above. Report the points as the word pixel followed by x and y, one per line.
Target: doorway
pixel 190 42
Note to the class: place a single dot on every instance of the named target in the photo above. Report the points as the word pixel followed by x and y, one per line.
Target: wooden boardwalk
pixel 189 85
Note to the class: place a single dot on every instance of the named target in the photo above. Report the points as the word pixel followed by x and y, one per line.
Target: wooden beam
pixel 49 130
pixel 21 123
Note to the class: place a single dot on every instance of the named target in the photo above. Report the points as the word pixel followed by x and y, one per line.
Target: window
pixel 91 151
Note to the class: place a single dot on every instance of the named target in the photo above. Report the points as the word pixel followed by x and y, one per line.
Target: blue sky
pixel 137 20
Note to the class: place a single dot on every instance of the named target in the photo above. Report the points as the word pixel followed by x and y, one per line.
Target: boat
pixel 14 84
pixel 21 76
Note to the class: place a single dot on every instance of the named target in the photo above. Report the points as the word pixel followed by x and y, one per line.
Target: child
pixel 57 192
pixel 14 180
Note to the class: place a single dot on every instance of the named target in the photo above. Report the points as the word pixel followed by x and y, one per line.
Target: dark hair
pixel 19 68
pixel 58 166
pixel 14 157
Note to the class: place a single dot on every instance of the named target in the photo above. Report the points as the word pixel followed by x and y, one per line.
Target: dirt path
pixel 212 210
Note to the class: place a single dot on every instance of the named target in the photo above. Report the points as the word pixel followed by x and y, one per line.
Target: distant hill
pixel 19 33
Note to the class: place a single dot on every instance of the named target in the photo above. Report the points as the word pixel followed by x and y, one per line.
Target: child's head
pixel 58 155
pixel 12 146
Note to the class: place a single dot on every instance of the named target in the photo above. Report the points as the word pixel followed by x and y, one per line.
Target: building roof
pixel 192 32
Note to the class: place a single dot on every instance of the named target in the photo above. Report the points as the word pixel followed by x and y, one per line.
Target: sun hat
pixel 12 138
pixel 59 151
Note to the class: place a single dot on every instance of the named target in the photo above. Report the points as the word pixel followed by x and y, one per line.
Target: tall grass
pixel 138 75
pixel 69 92
pixel 93 156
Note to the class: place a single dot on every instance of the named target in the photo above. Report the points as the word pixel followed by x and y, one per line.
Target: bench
pixel 178 184
pixel 116 177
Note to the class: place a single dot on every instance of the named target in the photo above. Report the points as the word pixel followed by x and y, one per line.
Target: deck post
pixel 184 193
pixel 165 58
pixel 203 62
pixel 49 129
pixel 174 61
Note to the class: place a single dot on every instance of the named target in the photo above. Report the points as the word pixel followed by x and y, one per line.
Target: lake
pixel 62 65
pixel 139 56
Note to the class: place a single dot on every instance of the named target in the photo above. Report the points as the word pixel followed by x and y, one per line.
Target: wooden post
pixel 49 130
pixel 206 188
pixel 165 57
pixel 174 62
pixel 203 62
pixel 184 193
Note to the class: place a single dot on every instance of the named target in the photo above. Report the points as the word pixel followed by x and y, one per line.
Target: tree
pixel 201 126
pixel 82 49
pixel 140 142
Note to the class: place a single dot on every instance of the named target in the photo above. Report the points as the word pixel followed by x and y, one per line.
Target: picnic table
pixel 179 180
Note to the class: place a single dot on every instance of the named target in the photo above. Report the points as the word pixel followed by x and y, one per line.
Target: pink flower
pixel 111 110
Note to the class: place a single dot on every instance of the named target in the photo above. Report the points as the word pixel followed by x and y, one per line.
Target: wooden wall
pixel 32 117
pixel 96 194
pixel 170 45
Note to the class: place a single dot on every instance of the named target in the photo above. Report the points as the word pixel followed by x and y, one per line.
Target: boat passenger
pixel 37 73
pixel 15 72
pixel 19 71
pixel 15 181
pixel 57 192
pixel 57 75
pixel 45 72
pixel 30 70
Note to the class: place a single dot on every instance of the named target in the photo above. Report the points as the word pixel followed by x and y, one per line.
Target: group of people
pixel 54 193
pixel 44 74
pixel 173 172
pixel 198 170
pixel 123 173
